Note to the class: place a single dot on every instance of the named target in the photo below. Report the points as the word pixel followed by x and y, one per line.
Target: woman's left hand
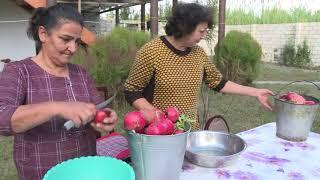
pixel 108 124
pixel 262 96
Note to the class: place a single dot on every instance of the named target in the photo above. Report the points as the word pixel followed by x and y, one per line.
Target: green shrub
pixel 238 57
pixel 296 56
pixel 302 58
pixel 288 53
pixel 110 58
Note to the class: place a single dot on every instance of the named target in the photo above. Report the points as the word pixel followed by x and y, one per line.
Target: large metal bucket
pixel 157 157
pixel 294 121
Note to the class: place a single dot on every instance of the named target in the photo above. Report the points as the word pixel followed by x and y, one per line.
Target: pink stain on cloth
pixel 252 142
pixel 301 145
pixel 316 172
pixel 239 175
pixel 296 176
pixel 114 145
pixel 222 173
pixel 187 166
pixel 260 157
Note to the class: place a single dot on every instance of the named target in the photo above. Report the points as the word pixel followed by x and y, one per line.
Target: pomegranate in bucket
pixel 295 114
pixel 161 139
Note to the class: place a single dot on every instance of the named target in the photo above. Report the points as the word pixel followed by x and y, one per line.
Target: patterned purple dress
pixel 38 149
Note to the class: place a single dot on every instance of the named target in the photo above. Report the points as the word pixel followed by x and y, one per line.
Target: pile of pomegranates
pixel 295 98
pixel 154 122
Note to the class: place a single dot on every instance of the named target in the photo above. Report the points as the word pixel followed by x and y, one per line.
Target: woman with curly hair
pixel 169 70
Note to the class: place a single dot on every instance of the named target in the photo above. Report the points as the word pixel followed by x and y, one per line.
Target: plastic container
pixel 91 167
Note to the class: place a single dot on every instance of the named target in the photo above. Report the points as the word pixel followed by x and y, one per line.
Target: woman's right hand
pixel 79 112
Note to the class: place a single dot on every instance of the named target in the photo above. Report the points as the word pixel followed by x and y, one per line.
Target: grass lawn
pixel 7 168
pixel 271 72
pixel 242 113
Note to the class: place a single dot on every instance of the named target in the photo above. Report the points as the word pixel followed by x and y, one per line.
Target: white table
pixel 267 157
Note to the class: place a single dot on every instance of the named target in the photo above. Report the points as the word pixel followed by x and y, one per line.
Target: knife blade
pixel 70 124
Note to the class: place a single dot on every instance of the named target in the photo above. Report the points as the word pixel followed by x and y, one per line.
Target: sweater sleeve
pixel 12 95
pixel 212 76
pixel 140 74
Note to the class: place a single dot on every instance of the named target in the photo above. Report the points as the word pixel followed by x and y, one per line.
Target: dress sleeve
pixel 12 95
pixel 140 74
pixel 212 76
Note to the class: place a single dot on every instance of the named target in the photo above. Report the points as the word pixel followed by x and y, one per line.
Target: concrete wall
pixel 273 37
pixel 14 43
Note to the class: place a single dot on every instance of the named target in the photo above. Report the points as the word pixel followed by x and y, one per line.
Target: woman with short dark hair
pixel 185 19
pixel 39 94
pixel 169 70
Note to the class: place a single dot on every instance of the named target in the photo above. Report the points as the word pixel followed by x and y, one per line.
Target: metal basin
pixel 213 149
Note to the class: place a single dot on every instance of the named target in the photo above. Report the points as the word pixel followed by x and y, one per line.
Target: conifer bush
pixel 238 57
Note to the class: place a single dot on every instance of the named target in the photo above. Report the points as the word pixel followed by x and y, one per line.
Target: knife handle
pixel 68 125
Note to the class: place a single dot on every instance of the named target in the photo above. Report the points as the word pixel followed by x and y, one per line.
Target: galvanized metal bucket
pixel 157 157
pixel 294 121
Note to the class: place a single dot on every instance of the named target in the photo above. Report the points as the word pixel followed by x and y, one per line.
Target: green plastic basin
pixel 91 168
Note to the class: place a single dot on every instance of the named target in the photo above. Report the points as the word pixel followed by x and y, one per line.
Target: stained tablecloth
pixel 267 157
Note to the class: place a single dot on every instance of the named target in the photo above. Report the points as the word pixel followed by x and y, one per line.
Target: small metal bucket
pixel 157 157
pixel 294 121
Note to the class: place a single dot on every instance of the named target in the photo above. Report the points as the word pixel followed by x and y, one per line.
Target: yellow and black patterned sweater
pixel 166 76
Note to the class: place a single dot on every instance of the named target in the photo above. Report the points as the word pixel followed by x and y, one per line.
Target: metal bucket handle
pixel 296 82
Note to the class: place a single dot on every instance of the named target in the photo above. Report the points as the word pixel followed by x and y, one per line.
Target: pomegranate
pixel 178 131
pixel 100 116
pixel 168 126
pixel 155 128
pixel 173 114
pixel 309 102
pixel 293 97
pixel 152 115
pixel 134 121
pixel 296 98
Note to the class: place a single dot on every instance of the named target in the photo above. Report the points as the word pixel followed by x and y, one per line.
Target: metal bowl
pixel 213 149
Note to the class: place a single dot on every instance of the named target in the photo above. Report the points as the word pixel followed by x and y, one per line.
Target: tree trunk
pixel 117 17
pixel 222 14
pixel 143 16
pixel 154 17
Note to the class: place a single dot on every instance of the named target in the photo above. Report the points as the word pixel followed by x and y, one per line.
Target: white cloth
pixel 266 157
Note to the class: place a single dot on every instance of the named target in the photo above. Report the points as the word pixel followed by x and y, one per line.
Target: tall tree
pixel 222 15
pixel 143 16
pixel 154 17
